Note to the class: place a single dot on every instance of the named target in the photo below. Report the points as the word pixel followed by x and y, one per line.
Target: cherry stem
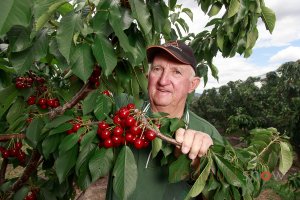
pixel 5 137
pixel 158 133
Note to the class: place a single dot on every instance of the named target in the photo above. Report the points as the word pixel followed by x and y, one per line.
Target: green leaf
pixel 101 163
pixel 142 79
pixel 50 144
pixel 216 7
pixel 232 175
pixel 10 93
pixel 65 162
pixel 200 183
pixel 15 111
pixel 58 121
pixel 125 174
pixel 88 138
pixel 101 24
pixel 61 128
pixel 141 13
pixel 286 158
pixel 234 7
pixel 82 62
pixel 176 124
pixel 69 142
pixel 89 102
pixel 251 38
pixel 104 54
pixel 179 169
pixel 156 147
pixel 172 4
pixel 34 131
pixel 22 61
pixel 84 179
pixel 160 17
pixel 269 18
pixel 44 10
pixel 19 38
pixel 21 193
pixel 68 26
pixel 84 155
pixel 103 107
pixel 14 12
pixel 188 12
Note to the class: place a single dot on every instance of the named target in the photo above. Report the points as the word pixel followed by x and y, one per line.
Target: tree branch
pixel 3 170
pixel 4 137
pixel 30 168
pixel 78 96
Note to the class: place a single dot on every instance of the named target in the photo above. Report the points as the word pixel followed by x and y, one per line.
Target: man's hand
pixel 194 143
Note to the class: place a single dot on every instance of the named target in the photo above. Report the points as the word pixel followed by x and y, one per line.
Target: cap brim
pixel 153 50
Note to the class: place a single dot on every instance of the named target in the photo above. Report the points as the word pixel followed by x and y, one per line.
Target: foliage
pixel 65 67
pixel 270 101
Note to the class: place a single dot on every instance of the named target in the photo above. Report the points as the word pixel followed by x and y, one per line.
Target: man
pixel 171 78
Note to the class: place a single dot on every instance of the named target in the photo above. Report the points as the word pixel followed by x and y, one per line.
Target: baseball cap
pixel 178 49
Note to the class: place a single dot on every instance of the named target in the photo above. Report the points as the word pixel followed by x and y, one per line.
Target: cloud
pixel 290 53
pixel 286 28
pixel 233 69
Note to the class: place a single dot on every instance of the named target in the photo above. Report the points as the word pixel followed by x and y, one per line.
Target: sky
pixel 270 51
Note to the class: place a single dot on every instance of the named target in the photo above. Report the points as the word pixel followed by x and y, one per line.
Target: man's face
pixel 169 83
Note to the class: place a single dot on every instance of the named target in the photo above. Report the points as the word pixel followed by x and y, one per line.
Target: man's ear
pixel 194 84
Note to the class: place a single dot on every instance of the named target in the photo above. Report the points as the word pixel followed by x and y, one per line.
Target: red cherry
pixel 116 140
pixel 131 106
pixel 108 143
pixel 40 80
pixel 43 106
pixel 105 134
pixel 117 131
pixel 96 72
pixel 42 101
pixel 76 127
pixel 150 135
pixel 130 121
pixel 123 113
pixel 50 102
pixel 135 130
pixel 146 143
pixel 20 85
pixel 103 125
pixel 13 152
pixel 138 143
pixel 29 120
pixel 21 156
pixel 70 131
pixel 129 137
pixel 117 120
pixel 5 153
pixel 18 145
pixel 56 103
pixel 31 100
pixel 97 84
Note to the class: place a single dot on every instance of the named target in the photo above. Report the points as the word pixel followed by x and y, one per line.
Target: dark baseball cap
pixel 178 49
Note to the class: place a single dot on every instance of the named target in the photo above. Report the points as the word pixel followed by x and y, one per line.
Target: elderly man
pixel 171 78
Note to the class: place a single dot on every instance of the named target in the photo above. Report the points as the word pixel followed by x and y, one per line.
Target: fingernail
pixel 192 157
pixel 185 150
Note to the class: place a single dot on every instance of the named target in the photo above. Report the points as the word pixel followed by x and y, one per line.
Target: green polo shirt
pixel 152 183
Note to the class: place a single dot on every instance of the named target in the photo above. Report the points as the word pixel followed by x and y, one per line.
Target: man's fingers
pixel 207 142
pixel 187 141
pixel 179 135
pixel 197 144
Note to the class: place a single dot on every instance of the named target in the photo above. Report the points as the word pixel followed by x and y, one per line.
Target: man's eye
pixel 177 72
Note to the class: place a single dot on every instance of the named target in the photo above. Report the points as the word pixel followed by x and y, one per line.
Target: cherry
pixel 70 131
pixel 138 143
pixel 130 121
pixel 105 134
pixel 50 102
pixel 135 130
pixel 150 135
pixel 43 106
pixel 5 154
pixel 146 143
pixel 117 131
pixel 56 103
pixel 76 127
pixel 21 156
pixel 117 120
pixel 116 140
pixel 123 113
pixel 97 84
pixel 107 93
pixel 103 125
pixel 18 145
pixel 31 100
pixel 108 143
pixel 129 137
pixel 131 106
pixel 42 101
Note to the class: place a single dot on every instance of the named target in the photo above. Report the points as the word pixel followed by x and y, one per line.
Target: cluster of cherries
pixel 43 103
pixel 23 82
pixel 14 152
pixel 126 129
pixel 32 195
pixel 95 77
pixel 75 126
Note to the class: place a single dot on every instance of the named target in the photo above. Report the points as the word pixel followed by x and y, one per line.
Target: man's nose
pixel 164 78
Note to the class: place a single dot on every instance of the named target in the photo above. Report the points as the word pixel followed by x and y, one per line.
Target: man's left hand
pixel 194 143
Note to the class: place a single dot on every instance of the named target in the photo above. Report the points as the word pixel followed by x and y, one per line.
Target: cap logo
pixel 173 44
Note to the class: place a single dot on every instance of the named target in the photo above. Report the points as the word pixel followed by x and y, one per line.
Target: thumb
pixel 179 135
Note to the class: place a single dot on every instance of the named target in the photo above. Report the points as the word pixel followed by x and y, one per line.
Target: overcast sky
pixel 270 51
